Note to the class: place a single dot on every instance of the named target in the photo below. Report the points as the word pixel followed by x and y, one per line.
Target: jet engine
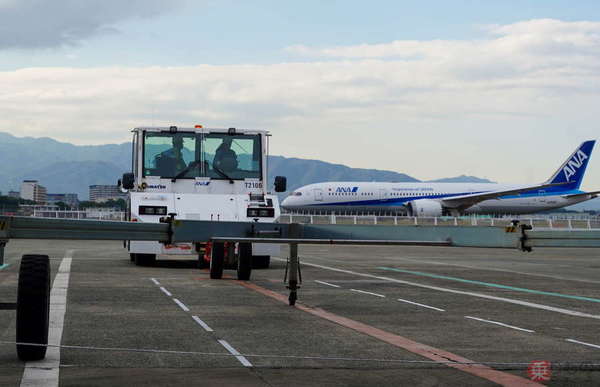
pixel 424 207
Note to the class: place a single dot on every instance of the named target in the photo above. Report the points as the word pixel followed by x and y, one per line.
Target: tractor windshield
pixel 184 155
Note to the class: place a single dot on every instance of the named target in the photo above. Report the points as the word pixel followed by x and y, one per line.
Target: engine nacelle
pixel 424 207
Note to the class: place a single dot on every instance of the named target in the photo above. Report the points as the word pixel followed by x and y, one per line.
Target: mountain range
pixel 67 168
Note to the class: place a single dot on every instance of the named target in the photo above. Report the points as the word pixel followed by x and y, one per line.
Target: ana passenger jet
pixel 437 199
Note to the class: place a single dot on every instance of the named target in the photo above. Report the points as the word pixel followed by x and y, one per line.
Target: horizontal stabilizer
pixel 593 194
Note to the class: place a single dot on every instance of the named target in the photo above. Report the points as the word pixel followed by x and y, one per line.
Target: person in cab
pixel 225 157
pixel 170 162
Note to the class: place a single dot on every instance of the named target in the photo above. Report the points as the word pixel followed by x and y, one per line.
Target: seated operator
pixel 225 157
pixel 170 162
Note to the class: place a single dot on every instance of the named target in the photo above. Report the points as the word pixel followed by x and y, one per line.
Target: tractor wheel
pixel 216 260
pixel 33 306
pixel 202 264
pixel 244 261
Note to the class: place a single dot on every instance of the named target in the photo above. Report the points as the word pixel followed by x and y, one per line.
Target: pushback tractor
pixel 202 174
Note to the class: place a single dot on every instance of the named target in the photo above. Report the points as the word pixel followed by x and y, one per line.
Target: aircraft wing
pixel 592 194
pixel 466 201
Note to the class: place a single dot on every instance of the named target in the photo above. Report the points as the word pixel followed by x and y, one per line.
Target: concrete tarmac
pixel 366 316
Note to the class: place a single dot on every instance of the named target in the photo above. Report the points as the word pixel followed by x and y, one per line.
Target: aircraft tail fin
pixel 570 174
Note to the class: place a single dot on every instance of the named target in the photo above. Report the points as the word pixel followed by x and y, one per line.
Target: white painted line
pixel 464 293
pixel 155 281
pixel 234 352
pixel 419 260
pixel 202 324
pixel 583 343
pixel 165 291
pixel 362 291
pixel 327 283
pixel 181 305
pixel 501 324
pixel 46 372
pixel 423 305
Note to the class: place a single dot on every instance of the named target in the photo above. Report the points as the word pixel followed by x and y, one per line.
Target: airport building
pixel 69 199
pixel 31 190
pixel 102 193
pixel 14 194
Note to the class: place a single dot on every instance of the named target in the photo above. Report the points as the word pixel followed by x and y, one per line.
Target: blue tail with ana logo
pixel 572 170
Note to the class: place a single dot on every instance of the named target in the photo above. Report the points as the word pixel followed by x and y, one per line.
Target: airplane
pixel 453 199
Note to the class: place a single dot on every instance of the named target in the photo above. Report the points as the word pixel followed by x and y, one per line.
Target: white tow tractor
pixel 202 174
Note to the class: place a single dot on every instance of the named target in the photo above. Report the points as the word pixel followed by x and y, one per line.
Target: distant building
pixel 14 194
pixel 69 199
pixel 102 193
pixel 31 190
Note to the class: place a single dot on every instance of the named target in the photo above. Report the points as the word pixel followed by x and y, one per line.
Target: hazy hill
pixel 461 179
pixel 73 176
pixel 301 172
pixel 20 155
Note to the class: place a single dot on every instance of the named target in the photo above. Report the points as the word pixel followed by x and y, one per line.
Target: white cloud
pixel 542 36
pixel 408 106
pixel 26 24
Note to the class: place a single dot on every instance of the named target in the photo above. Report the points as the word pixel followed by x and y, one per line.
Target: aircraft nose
pixel 286 202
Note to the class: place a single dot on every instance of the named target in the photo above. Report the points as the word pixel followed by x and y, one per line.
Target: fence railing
pixel 535 222
pixel 70 214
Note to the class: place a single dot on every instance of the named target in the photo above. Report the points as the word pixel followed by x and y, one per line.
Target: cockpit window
pixel 297 193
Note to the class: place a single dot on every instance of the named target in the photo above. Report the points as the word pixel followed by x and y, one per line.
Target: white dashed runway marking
pixel 423 305
pixel 501 324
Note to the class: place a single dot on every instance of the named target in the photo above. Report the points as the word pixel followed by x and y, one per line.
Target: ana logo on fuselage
pixel 573 165
pixel 346 189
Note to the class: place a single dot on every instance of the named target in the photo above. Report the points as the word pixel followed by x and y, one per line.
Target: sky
pixel 498 89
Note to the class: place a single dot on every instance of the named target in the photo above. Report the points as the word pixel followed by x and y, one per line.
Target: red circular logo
pixel 539 370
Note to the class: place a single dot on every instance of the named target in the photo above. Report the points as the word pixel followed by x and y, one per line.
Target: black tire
pixel 33 306
pixel 261 261
pixel 216 260
pixel 244 268
pixel 145 259
pixel 202 264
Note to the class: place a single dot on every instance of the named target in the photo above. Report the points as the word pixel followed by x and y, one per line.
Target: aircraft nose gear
pixel 292 268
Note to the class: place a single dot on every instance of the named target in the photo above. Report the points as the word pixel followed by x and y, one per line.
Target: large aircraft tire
pixel 33 306
pixel 216 260
pixel 244 268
